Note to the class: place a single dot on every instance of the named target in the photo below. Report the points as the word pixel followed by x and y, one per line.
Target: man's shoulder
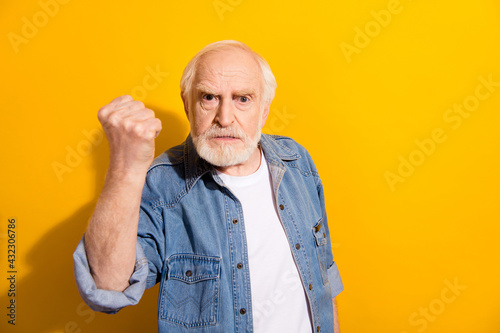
pixel 168 167
pixel 290 152
pixel 284 145
pixel 281 139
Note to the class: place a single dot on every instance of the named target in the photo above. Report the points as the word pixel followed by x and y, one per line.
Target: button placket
pixel 238 258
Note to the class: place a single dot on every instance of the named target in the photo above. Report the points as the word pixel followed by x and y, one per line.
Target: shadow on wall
pixel 51 300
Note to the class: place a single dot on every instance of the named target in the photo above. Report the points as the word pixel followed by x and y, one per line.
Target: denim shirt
pixel 191 238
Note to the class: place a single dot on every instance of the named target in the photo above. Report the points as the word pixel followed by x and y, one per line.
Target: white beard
pixel 226 154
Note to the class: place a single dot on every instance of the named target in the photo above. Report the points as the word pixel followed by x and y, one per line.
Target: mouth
pixel 225 138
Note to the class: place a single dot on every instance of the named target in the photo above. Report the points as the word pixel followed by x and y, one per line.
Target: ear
pixel 265 114
pixel 186 106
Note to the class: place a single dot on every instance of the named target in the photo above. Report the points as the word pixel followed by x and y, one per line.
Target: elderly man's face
pixel 225 111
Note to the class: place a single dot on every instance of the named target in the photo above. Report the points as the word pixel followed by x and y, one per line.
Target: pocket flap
pixel 318 233
pixel 191 268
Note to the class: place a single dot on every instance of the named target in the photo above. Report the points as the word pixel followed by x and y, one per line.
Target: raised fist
pixel 131 130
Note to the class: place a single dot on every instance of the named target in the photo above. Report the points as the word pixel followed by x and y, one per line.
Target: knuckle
pixel 148 134
pixel 138 104
pixel 150 129
pixel 128 124
pixel 114 119
pixel 101 114
pixel 138 130
pixel 126 98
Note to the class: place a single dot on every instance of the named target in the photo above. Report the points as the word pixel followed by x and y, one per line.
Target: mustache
pixel 216 131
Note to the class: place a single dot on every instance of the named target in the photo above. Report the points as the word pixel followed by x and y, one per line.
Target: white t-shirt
pixel 279 301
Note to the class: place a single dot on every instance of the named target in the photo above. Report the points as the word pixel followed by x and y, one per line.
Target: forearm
pixel 336 327
pixel 111 236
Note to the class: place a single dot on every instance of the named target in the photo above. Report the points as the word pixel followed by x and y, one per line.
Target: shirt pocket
pixel 321 244
pixel 190 293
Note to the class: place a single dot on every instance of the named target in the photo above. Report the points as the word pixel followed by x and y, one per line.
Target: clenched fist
pixel 131 130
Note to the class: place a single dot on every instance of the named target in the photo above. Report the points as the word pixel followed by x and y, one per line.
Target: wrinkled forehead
pixel 228 67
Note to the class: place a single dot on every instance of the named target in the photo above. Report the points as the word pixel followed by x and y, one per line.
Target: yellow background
pixel 397 248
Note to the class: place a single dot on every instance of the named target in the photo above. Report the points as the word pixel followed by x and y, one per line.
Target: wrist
pixel 126 175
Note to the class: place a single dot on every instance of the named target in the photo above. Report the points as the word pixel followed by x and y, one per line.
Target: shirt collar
pixel 195 167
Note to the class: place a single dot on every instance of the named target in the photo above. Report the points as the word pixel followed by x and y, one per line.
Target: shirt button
pixel 235 221
pixel 240 265
pixel 243 311
pixel 297 246
pixel 317 329
pixel 310 287
pixel 282 207
pixel 189 273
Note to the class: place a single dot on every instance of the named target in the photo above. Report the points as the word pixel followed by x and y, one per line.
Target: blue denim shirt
pixel 191 237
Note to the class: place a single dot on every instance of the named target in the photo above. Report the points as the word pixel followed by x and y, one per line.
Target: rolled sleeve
pixel 334 279
pixel 109 301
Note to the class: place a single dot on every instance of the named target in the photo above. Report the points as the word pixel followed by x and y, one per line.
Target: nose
pixel 225 113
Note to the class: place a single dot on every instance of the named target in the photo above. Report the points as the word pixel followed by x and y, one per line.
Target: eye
pixel 244 99
pixel 208 97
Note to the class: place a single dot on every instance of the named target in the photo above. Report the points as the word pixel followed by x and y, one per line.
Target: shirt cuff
pixel 334 279
pixel 109 301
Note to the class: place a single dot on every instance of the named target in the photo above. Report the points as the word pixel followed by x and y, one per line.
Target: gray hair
pixel 268 79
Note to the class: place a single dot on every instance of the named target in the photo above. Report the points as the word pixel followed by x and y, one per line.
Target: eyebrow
pixel 208 90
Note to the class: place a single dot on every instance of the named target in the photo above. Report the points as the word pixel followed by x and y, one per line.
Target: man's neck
pixel 246 168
